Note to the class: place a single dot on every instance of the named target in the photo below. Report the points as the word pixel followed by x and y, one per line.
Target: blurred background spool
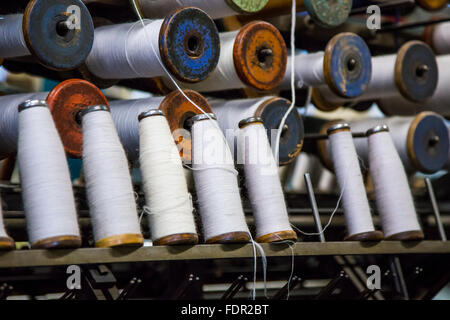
pixel 263 183
pixel 270 110
pixel 215 8
pixel 216 184
pixel 108 183
pixel 346 166
pixel 48 199
pixel 45 32
pixel 169 204
pixel 393 196
pixel 328 14
pixel 186 42
pixel 437 36
pixel 345 67
pixel 177 110
pixel 422 141
pixel 254 56
pixel 439 102
pixel 411 73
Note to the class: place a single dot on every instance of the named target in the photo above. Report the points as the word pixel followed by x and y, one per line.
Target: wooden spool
pixel 65 102
pixel 260 55
pixel 7 243
pixel 432 5
pixel 178 110
pixel 189 44
pixel 50 41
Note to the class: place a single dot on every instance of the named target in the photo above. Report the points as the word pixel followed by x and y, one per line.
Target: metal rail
pixel 36 258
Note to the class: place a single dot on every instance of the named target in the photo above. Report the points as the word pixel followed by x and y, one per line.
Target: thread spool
pixel 346 166
pixel 186 42
pixel 216 184
pixel 47 31
pixel 263 183
pixel 108 183
pixel 392 194
pixel 345 66
pixel 177 110
pixel 215 8
pixel 422 141
pixel 436 36
pixel 170 206
pixel 271 110
pixel 437 103
pixel 328 14
pixel 412 73
pixel 254 56
pixel 48 199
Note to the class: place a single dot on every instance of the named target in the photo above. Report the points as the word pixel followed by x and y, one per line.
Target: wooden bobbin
pixel 291 141
pixel 65 102
pixel 50 40
pixel 347 65
pixel 322 149
pixel 230 237
pixel 321 103
pixel 278 236
pixel 59 242
pixel 416 71
pixel 407 236
pixel 428 142
pixel 121 240
pixel 177 239
pixel 260 55
pixel 432 5
pixel 178 110
pixel 326 13
pixel 7 243
pixel 189 44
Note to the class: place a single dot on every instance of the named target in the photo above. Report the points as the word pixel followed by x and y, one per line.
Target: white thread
pixel 398 129
pixel 12 42
pixel 308 70
pixel 160 8
pixel 346 166
pixel 437 103
pixel 262 180
pixel 393 196
pixel 276 145
pixel 224 76
pixel 46 187
pixel 382 82
pixel 9 119
pixel 164 183
pixel 108 183
pixel 133 58
pixel 125 116
pixel 440 38
pixel 217 188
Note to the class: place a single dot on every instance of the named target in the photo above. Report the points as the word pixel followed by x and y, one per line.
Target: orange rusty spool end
pixel 178 109
pixel 432 5
pixel 260 55
pixel 65 101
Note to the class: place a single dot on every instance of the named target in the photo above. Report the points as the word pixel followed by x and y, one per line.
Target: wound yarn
pixel 346 166
pixel 392 193
pixel 48 199
pixel 262 181
pixel 127 50
pixel 109 188
pixel 216 182
pixel 12 42
pixel 169 204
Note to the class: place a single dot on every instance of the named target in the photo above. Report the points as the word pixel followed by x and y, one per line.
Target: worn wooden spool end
pixel 230 237
pixel 122 240
pixel 416 71
pixel 189 44
pixel 65 102
pixel 260 55
pixel 286 235
pixel 7 243
pixel 48 37
pixel 432 5
pixel 59 242
pixel 291 141
pixel 178 110
pixel 347 65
